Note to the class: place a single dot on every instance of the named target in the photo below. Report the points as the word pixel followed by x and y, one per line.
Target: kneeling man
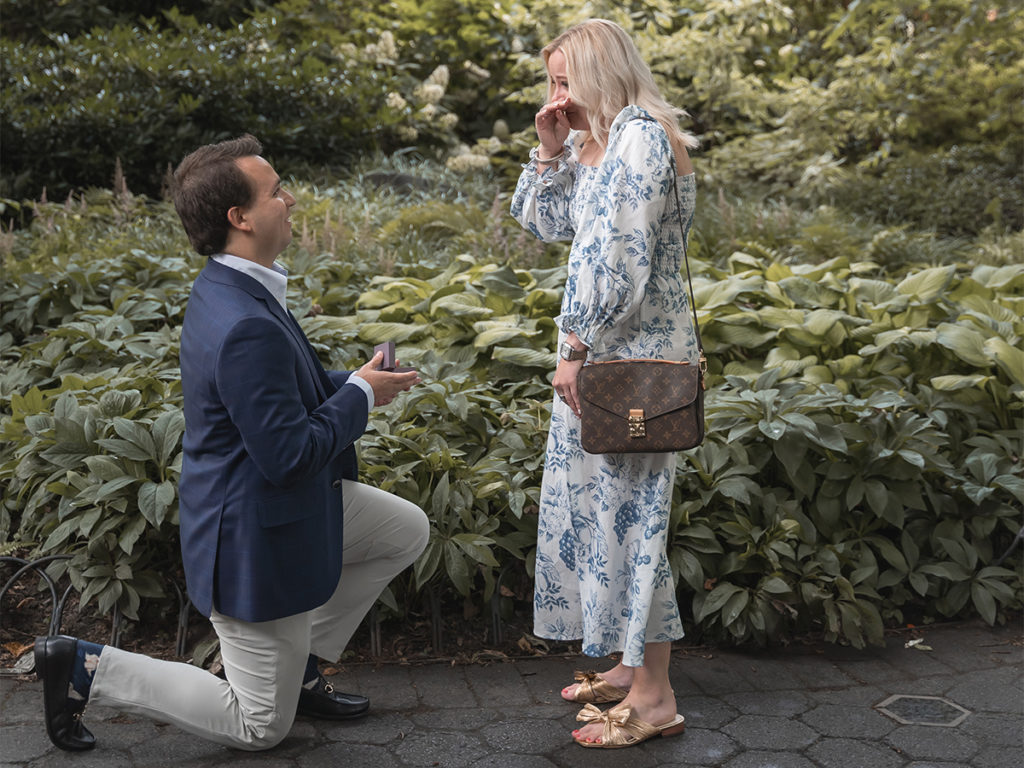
pixel 269 504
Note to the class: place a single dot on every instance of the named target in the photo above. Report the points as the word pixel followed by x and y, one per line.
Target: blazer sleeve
pixel 256 377
pixel 338 377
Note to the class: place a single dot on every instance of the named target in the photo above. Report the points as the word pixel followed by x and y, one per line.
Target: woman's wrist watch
pixel 568 352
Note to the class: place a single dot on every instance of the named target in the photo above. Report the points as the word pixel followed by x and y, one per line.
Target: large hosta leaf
pixel 967 344
pixel 807 293
pixel 531 358
pixel 497 335
pixel 375 333
pixel 1009 359
pixel 1010 277
pixel 464 304
pixel 954 383
pixel 724 292
pixel 927 284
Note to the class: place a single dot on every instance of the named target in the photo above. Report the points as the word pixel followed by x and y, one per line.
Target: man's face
pixel 269 212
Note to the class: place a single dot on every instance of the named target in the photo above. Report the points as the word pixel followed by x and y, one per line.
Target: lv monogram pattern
pixel 668 394
pixel 601 571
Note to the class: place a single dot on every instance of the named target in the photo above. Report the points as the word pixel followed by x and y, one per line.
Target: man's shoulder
pixel 228 287
pixel 216 307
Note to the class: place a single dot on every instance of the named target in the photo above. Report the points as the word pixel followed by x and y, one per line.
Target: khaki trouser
pixel 264 661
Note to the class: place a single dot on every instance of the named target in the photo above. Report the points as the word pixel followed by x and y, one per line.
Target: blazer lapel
pixel 315 369
pixel 253 287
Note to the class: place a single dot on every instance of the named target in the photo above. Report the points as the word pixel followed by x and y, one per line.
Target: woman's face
pixel 558 83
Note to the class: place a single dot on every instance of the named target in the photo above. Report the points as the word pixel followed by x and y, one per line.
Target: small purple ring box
pixel 388 363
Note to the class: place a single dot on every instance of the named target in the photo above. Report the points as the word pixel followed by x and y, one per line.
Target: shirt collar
pixel 274 279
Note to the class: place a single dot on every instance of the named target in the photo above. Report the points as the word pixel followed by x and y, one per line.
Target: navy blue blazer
pixel 268 438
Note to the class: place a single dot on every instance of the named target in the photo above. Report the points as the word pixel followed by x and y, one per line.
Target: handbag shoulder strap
pixel 703 361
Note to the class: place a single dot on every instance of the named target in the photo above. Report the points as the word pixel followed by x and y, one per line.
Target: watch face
pixel 569 352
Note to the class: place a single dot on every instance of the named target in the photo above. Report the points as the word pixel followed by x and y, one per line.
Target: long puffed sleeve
pixel 541 200
pixel 612 253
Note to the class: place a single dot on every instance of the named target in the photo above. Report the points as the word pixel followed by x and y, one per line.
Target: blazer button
pixel 336 484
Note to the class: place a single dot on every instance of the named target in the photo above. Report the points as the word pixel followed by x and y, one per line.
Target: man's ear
pixel 237 219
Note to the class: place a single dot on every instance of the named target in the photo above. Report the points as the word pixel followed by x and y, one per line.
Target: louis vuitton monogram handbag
pixel 645 406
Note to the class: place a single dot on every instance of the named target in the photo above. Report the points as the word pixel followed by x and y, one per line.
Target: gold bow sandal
pixel 623 729
pixel 595 689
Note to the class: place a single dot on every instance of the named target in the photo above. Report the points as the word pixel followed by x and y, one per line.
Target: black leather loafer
pixel 325 703
pixel 55 657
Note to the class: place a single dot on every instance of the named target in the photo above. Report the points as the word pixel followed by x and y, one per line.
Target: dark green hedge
pixel 37 21
pixel 148 94
pixel 908 115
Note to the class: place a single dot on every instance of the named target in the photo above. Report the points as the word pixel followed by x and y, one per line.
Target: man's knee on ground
pixel 267 736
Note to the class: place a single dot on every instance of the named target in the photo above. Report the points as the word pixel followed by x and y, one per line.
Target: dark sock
pixel 86 656
pixel 312 673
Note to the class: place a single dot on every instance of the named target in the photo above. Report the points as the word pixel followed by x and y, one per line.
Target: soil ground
pixel 465 635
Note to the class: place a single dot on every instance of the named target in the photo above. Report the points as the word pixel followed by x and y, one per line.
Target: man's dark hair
pixel 207 184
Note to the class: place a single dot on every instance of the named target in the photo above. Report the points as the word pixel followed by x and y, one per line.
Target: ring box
pixel 388 363
pixel 388 348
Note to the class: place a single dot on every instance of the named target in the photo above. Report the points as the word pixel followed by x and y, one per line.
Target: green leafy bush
pixel 965 190
pixel 147 94
pixel 863 460
pixel 909 113
pixel 890 110
pixel 37 20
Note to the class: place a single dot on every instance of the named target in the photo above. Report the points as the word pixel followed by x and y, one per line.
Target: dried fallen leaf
pixel 534 645
pixel 488 655
pixel 16 649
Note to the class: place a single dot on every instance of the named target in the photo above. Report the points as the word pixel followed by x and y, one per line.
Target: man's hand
pixel 385 385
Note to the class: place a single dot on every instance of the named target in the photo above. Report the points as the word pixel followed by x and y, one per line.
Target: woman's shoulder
pixel 633 115
pixel 634 127
pixel 634 130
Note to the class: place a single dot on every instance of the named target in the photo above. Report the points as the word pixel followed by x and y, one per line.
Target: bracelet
pixel 534 155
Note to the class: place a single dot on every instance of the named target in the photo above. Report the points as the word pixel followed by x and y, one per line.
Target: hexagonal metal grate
pixel 923 710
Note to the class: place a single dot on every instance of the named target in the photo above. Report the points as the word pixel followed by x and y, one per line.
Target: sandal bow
pixel 622 728
pixel 594 688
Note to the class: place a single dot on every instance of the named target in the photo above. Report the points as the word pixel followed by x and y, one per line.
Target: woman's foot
pixel 618 676
pixel 656 708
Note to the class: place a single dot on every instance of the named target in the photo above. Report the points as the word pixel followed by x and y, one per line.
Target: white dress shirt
pixel 275 280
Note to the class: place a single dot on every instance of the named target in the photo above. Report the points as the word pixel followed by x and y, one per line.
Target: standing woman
pixel 610 151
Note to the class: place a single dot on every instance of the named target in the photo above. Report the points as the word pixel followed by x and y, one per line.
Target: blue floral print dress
pixel 602 572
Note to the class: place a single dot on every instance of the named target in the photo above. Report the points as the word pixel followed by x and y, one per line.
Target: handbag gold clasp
pixel 636 423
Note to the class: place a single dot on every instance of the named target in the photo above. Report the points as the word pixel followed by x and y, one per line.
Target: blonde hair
pixel 607 74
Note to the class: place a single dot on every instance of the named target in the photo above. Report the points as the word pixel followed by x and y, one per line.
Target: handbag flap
pixel 656 386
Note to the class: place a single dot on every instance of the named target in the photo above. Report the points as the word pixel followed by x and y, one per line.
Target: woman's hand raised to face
pixel 552 126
